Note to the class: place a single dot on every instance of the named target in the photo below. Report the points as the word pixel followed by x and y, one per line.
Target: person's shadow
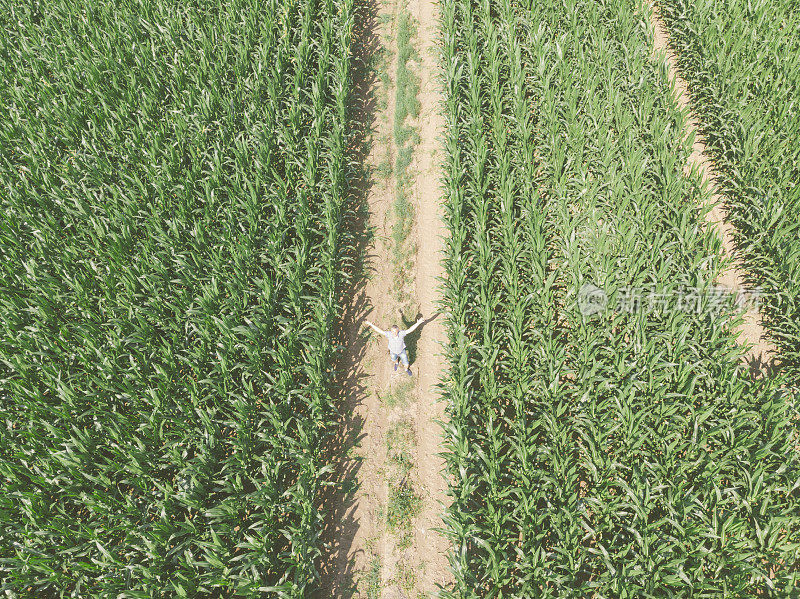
pixel 412 338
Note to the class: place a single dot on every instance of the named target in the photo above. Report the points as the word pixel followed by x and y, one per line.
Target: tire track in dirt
pixel 431 547
pixel 761 352
pixel 352 544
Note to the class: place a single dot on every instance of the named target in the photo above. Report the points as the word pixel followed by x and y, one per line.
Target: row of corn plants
pixel 173 191
pixel 741 61
pixel 611 452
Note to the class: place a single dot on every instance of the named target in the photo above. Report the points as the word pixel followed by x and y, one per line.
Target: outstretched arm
pixel 414 326
pixel 374 328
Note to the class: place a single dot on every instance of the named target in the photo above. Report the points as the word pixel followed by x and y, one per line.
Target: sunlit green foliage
pixel 619 454
pixel 741 60
pixel 172 177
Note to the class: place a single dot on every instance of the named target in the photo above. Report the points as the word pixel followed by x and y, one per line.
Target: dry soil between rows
pixel 356 537
pixel 431 232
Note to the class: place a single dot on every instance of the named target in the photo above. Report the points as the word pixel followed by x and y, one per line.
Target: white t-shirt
pixel 397 345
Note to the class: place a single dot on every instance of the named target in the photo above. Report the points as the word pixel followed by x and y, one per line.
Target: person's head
pixel 395 329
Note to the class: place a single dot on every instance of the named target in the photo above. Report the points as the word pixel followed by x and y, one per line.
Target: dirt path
pixel 430 229
pixel 364 557
pixel 761 354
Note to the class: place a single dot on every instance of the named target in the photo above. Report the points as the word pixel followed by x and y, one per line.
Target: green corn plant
pixel 174 182
pixel 741 61
pixel 593 456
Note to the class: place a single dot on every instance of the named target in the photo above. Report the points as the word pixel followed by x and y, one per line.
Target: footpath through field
pixel 380 540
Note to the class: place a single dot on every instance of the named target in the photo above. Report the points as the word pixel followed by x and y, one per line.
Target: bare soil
pixel 356 537
pixel 761 353
pixel 431 546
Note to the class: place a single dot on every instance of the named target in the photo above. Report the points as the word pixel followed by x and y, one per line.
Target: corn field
pixel 175 244
pixel 741 61
pixel 173 185
pixel 620 454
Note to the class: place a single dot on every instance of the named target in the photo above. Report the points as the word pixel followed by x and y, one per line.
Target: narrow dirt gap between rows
pixel 761 353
